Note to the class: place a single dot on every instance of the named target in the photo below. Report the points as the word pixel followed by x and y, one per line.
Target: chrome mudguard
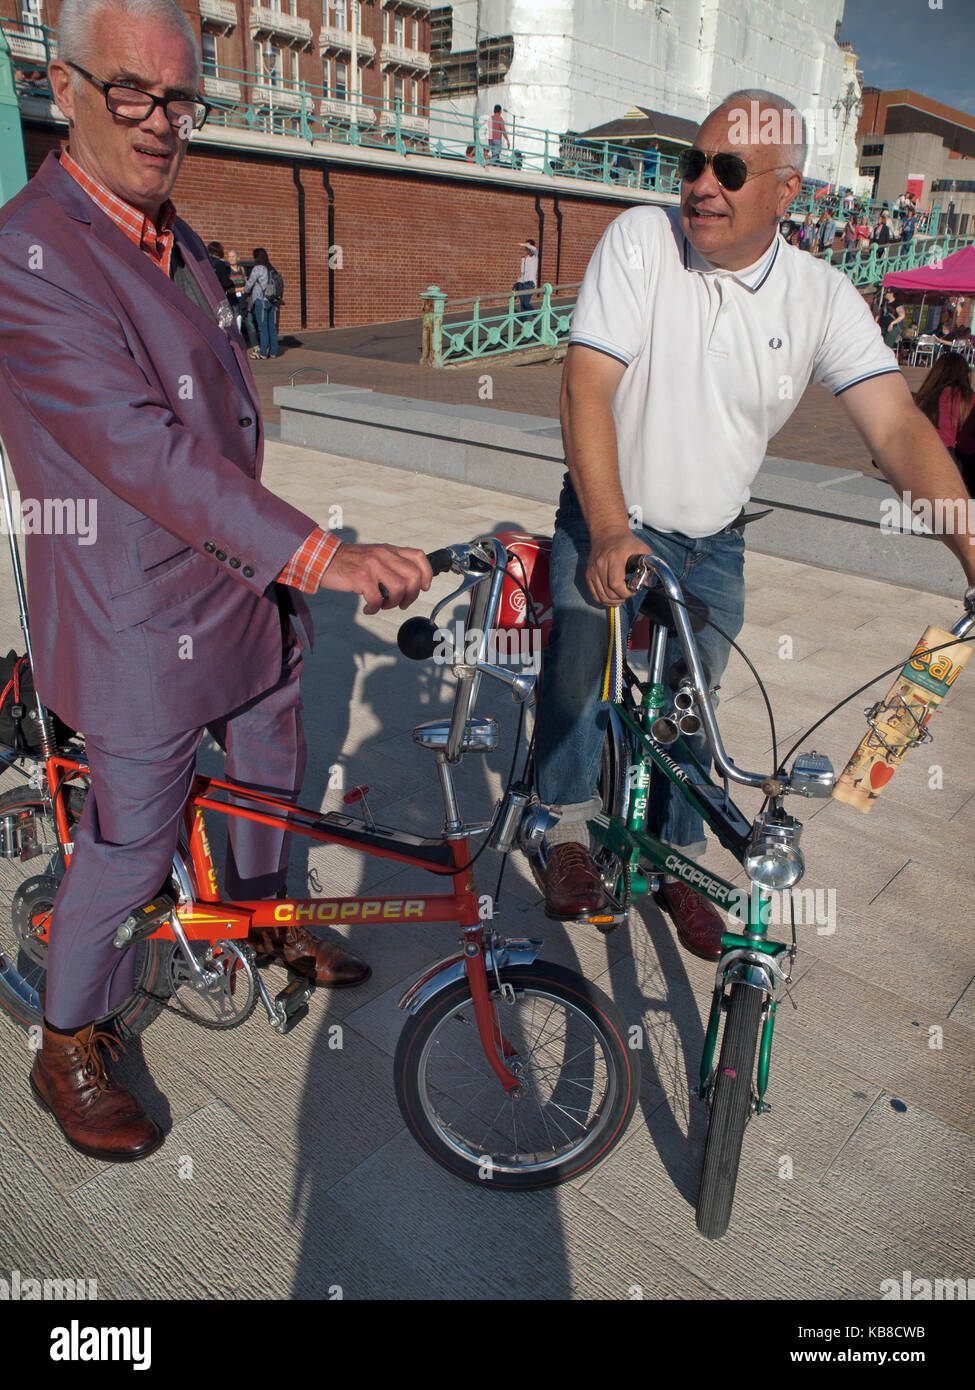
pixel 444 973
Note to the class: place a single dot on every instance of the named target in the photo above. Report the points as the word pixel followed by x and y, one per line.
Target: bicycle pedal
pixel 291 1003
pixel 609 918
pixel 143 921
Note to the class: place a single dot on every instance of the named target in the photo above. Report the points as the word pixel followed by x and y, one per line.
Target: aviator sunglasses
pixel 730 170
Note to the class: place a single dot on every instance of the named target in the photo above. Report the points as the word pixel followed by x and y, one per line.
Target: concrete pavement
pixel 287 1171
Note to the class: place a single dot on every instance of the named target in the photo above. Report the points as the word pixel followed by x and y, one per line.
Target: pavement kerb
pixel 822 516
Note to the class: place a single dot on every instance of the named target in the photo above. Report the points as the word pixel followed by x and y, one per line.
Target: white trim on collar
pixel 752 276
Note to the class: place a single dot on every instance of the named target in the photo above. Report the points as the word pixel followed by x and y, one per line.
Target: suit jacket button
pixel 245 420
pixel 221 555
pixel 209 547
pixel 248 572
pixel 234 563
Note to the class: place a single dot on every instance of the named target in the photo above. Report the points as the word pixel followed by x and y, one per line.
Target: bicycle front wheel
pixel 729 1111
pixel 31 869
pixel 566 1043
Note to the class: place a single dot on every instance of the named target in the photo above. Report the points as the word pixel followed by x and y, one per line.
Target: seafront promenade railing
pixel 273 103
pixel 456 331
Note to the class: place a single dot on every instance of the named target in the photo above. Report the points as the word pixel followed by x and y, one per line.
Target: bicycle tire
pixel 436 1038
pixel 729 1110
pixel 23 966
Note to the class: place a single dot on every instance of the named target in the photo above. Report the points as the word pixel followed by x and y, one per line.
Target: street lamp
pixel 847 103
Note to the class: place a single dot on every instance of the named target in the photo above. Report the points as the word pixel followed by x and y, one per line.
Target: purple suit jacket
pixel 117 390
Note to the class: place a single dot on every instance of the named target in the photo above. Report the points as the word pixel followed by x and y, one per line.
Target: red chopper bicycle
pixel 509 1071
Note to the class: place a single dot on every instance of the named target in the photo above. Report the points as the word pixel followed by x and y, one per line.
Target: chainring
pixel 228 992
pixel 30 913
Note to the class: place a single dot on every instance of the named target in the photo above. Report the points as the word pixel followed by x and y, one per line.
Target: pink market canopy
pixel 954 275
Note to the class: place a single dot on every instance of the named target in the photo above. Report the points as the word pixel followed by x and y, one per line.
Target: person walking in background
pixel 891 317
pixel 850 238
pixel 498 133
pixel 238 279
pixel 807 233
pixel 527 273
pixel 882 235
pixel 221 269
pixel 651 162
pixel 945 397
pixel 264 309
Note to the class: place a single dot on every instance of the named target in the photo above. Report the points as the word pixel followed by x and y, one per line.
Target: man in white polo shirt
pixel 696 332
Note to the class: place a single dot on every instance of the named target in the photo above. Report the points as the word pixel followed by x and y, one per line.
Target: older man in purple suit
pixel 124 381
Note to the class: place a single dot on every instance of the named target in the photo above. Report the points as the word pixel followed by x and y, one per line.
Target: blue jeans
pixel 266 317
pixel 572 720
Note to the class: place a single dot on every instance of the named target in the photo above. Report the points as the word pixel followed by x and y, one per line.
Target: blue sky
pixel 906 43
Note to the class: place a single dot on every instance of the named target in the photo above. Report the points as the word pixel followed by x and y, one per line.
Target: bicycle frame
pixel 204 916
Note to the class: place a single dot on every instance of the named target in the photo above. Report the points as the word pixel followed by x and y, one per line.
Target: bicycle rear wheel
pixel 730 1109
pixel 31 869
pixel 579 1080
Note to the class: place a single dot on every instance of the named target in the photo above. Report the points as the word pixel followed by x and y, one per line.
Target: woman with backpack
pixel 262 285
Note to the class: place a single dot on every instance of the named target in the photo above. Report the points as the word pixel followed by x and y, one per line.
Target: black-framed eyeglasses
pixel 133 104
pixel 730 170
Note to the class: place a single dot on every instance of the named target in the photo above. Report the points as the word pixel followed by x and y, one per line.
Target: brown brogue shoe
pixel 96 1116
pixel 308 955
pixel 699 927
pixel 573 887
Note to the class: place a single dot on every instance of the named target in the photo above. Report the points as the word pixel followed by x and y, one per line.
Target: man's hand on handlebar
pixel 387 576
pixel 606 571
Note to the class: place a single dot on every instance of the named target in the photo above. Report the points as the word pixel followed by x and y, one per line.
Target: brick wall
pixel 397 232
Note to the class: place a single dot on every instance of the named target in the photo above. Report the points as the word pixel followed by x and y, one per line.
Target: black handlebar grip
pixel 440 563
pixel 418 636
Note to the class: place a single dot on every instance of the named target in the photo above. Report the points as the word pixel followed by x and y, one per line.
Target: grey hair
pixel 793 124
pixel 76 24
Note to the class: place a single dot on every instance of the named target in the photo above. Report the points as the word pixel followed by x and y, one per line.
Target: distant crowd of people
pixel 850 219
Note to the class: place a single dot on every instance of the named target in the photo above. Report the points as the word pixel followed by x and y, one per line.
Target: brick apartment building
pixel 329 165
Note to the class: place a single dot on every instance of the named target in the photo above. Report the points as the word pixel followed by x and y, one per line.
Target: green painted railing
pixel 493 325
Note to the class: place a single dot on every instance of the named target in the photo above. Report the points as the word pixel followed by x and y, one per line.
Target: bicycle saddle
pixel 656 608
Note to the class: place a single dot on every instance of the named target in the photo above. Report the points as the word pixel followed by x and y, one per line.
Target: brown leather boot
pixel 573 887
pixel 96 1116
pixel 308 955
pixel 699 927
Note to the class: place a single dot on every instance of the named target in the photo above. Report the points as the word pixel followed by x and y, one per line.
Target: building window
pixel 869 150
pixel 397 90
pixel 326 74
pixel 338 15
pixel 399 30
pixel 341 80
pixel 294 68
pixel 31 13
pixel 208 55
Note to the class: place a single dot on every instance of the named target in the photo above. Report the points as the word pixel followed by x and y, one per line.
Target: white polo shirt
pixel 716 360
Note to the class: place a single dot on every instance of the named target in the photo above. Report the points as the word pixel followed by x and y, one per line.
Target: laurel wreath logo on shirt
pixel 775 342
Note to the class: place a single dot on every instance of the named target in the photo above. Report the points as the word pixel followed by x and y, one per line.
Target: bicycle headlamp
pixel 773 858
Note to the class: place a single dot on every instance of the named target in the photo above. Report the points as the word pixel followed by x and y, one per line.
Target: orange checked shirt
pixel 306 568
